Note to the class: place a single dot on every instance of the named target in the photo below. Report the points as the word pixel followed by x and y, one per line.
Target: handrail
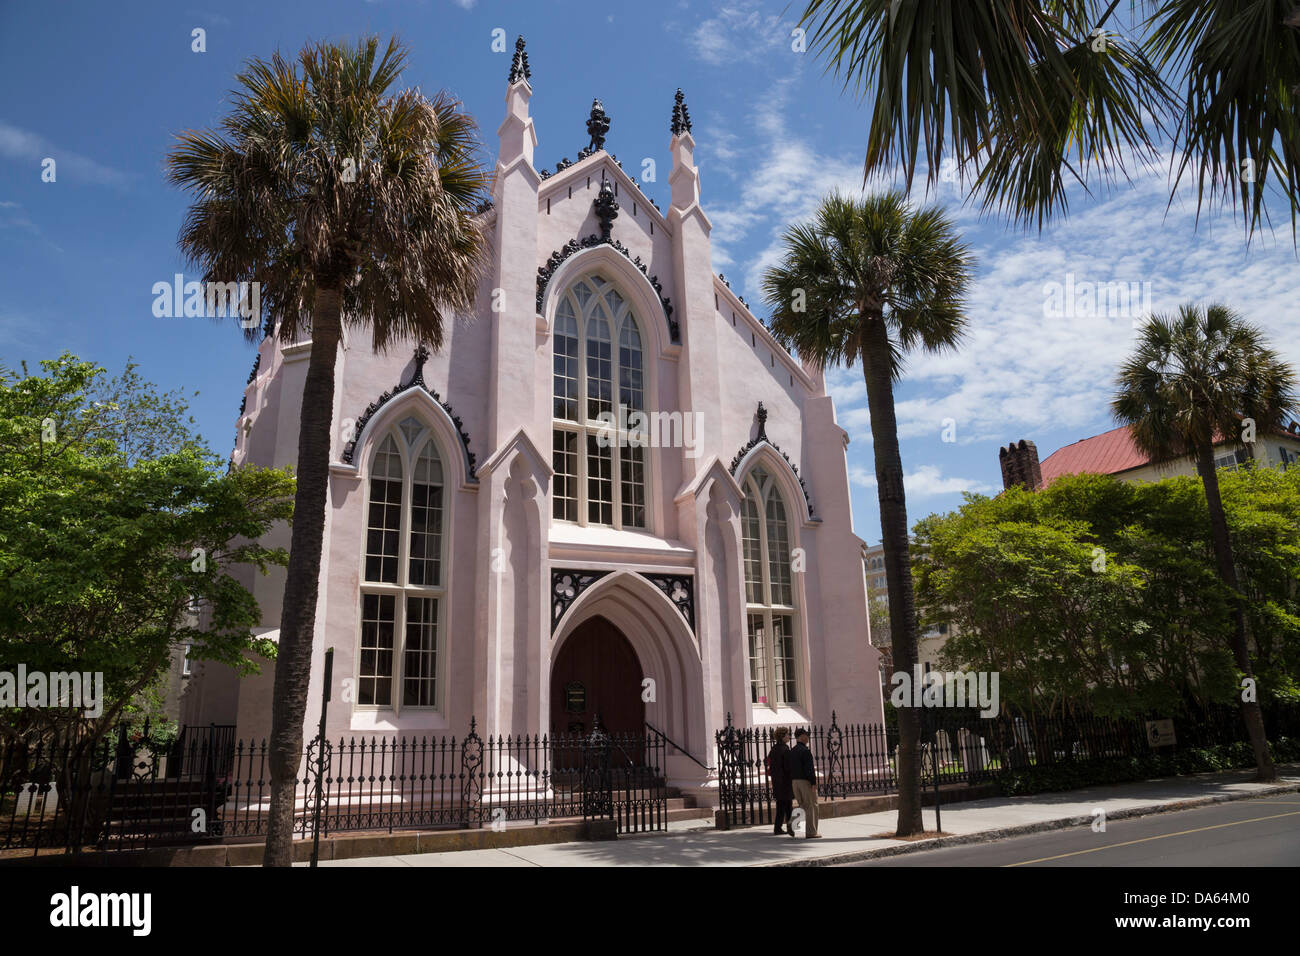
pixel 677 746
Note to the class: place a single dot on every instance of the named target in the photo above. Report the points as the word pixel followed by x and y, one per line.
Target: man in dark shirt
pixel 778 768
pixel 803 774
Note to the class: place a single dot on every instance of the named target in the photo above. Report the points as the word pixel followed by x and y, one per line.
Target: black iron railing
pixel 129 792
pixel 957 747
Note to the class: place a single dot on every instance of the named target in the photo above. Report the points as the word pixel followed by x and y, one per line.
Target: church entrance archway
pixel 597 674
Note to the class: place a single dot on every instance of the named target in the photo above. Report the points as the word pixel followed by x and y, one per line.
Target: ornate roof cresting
pixel 681 115
pixel 760 438
pixel 606 207
pixel 417 381
pixel 597 128
pixel 519 65
pixel 557 258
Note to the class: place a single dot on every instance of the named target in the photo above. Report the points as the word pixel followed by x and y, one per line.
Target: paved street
pixel 851 838
pixel 1263 832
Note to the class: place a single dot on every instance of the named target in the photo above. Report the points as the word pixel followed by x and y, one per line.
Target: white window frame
pixel 403 589
pixel 770 687
pixel 586 427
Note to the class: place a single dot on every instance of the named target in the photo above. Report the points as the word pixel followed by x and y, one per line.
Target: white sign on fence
pixel 1160 733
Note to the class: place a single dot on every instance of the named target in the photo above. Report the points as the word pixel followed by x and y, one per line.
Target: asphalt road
pixel 1264 832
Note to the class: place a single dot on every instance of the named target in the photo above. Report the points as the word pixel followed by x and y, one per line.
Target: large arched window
pixel 403 576
pixel 769 593
pixel 600 471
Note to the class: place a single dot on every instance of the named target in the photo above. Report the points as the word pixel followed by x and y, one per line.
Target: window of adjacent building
pixel 403 582
pixel 599 381
pixel 769 593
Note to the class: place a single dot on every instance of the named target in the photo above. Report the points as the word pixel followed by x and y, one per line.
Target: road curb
pixel 1043 826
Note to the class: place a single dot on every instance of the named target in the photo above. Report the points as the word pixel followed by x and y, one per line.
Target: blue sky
pixel 102 88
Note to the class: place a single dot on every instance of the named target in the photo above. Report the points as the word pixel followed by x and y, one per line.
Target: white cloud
pixel 738 31
pixel 24 146
pixel 926 481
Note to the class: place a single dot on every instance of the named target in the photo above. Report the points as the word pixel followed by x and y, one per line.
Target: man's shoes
pixel 790 831
pixel 814 836
pixel 777 832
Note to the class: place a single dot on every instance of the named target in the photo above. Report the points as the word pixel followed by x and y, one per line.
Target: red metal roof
pixel 1103 454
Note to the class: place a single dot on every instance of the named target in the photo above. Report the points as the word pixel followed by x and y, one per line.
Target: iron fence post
pixel 320 756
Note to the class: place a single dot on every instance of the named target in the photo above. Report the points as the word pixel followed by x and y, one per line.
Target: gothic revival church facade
pixel 611 495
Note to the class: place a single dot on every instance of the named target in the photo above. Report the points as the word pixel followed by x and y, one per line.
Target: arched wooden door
pixel 597 673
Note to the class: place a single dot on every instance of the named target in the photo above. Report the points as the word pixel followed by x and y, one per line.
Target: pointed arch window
pixel 599 381
pixel 770 611
pixel 403 584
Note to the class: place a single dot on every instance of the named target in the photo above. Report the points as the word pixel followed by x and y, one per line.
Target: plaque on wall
pixel 575 697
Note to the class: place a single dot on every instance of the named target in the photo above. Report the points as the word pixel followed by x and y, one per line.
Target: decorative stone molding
pixel 680 589
pixel 606 207
pixel 417 380
pixel 762 438
pixel 557 258
pixel 566 585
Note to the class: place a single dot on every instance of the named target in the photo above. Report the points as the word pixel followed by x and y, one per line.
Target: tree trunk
pixel 1250 711
pixel 878 374
pixel 302 583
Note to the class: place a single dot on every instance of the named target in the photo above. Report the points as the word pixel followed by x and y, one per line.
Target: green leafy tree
pixel 347 202
pixel 1029 95
pixel 1193 379
pixel 107 499
pixel 873 279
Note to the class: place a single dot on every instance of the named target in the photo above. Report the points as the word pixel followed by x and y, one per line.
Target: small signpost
pixel 1160 733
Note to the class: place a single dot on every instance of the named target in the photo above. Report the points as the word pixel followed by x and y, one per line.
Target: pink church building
pixel 611 495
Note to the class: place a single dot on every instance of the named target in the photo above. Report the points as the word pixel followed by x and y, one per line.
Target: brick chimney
pixel 1020 466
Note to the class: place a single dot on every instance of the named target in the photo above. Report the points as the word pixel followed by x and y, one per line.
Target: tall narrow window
pixel 769 593
pixel 599 381
pixel 402 591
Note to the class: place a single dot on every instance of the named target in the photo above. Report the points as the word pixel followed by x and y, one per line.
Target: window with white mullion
pixel 598 362
pixel 769 594
pixel 403 588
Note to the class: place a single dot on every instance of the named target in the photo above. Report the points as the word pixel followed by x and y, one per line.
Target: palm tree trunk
pixel 302 583
pixel 1250 711
pixel 877 371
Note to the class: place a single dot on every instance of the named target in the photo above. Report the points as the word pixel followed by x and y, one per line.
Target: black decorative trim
pixel 678 588
pixel 519 64
pixel 761 438
pixel 566 585
pixel 597 127
pixel 606 207
pixel 417 380
pixel 544 274
pixel 681 115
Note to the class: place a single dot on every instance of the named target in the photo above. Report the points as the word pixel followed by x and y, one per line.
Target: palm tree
pixel 1028 94
pixel 1194 379
pixel 347 202
pixel 873 279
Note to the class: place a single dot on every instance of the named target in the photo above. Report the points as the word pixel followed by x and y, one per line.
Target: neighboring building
pixel 929 642
pixel 1114 453
pixel 489 554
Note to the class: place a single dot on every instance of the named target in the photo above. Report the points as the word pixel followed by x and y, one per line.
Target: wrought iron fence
pixel 132 791
pixel 960 747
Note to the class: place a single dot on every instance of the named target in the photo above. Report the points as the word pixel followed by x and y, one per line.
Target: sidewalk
pixel 845 839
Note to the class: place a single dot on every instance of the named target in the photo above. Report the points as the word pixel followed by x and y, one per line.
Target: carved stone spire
pixel 606 207
pixel 519 65
pixel 681 115
pixel 597 127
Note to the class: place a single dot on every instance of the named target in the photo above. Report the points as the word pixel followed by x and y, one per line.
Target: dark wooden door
pixel 597 673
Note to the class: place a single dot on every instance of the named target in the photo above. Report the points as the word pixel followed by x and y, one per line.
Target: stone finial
pixel 519 65
pixel 762 422
pixel 606 207
pixel 681 115
pixel 421 356
pixel 597 126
